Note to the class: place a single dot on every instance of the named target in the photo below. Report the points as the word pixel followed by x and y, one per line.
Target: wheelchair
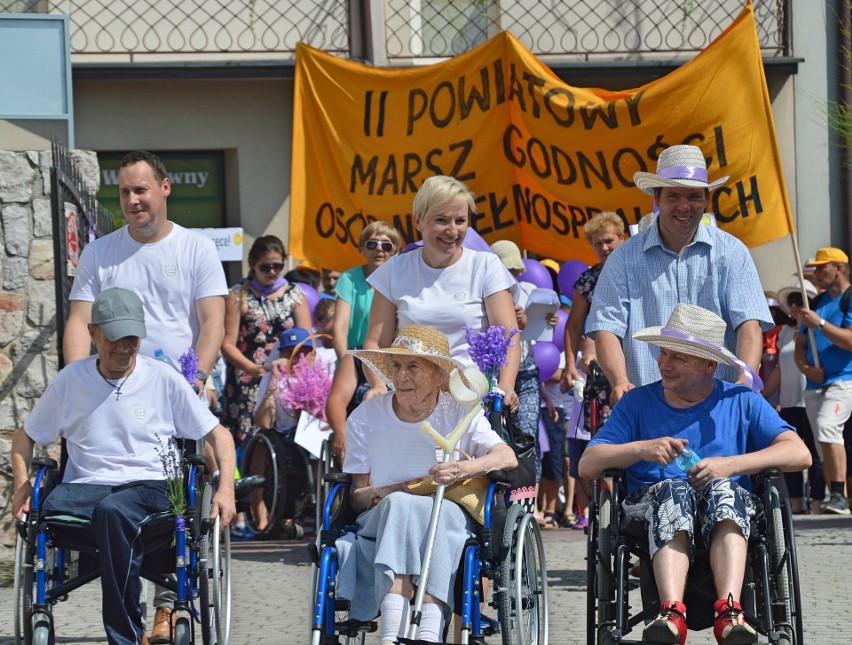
pixel 508 550
pixel 289 489
pixel 771 597
pixel 57 554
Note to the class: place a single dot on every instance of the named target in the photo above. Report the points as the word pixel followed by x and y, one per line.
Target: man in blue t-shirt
pixel 828 395
pixel 731 429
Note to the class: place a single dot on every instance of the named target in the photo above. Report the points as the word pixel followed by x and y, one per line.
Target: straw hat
pixel 677 167
pixel 783 292
pixel 691 330
pixel 509 255
pixel 414 340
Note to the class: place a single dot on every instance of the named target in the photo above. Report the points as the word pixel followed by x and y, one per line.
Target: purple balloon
pixel 547 359
pixel 537 274
pixel 311 295
pixel 568 274
pixel 559 330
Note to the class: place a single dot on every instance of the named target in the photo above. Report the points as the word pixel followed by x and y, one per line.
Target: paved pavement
pixel 271 597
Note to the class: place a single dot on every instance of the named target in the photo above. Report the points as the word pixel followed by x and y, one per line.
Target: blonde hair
pixel 381 228
pixel 602 219
pixel 438 191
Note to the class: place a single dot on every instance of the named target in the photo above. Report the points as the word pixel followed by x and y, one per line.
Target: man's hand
pixel 662 450
pixel 807 317
pixel 813 374
pixel 223 505
pixel 21 500
pixel 618 391
pixel 707 470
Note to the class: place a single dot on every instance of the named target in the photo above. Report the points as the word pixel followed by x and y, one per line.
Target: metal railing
pixel 593 29
pixel 413 29
pixel 232 27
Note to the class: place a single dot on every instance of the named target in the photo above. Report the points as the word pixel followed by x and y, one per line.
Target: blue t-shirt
pixel 733 420
pixel 836 362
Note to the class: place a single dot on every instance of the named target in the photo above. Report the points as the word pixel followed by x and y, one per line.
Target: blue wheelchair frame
pixel 51 582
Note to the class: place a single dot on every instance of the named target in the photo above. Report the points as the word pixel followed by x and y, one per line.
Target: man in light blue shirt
pixel 675 260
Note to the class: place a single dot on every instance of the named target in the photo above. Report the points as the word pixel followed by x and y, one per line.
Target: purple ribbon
pixel 265 291
pixel 753 380
pixel 684 172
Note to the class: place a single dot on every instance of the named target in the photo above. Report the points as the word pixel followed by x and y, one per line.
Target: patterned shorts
pixel 672 505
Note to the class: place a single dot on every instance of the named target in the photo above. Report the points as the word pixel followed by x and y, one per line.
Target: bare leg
pixel 671 565
pixel 728 559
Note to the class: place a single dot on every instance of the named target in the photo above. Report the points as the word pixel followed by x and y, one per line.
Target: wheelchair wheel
pixel 214 583
pixel 263 457
pixel 523 581
pixel 782 582
pixel 604 582
pixel 19 590
pixel 183 632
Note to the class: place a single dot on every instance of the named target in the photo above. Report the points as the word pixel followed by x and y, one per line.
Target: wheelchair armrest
pixel 197 460
pixel 499 476
pixel 337 478
pixel 612 473
pixel 764 477
pixel 45 462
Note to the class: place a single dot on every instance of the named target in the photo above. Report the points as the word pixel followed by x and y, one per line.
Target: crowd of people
pixel 647 333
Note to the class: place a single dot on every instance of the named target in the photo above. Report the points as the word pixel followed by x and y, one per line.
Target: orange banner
pixel 542 156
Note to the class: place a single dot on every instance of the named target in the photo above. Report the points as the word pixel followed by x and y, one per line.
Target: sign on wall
pixel 542 156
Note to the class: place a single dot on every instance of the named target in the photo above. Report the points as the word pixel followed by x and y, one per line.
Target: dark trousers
pixel 116 513
pixel 798 418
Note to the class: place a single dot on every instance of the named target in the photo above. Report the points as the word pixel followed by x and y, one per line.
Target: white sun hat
pixel 678 167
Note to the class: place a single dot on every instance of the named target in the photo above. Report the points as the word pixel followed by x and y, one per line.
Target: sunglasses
pixel 795 299
pixel 266 267
pixel 372 245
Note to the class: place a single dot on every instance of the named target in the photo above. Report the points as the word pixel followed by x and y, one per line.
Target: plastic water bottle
pixel 160 355
pixel 687 459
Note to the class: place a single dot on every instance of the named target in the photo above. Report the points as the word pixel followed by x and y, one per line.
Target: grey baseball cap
pixel 118 312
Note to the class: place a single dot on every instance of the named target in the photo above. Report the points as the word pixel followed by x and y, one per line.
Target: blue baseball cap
pixel 292 337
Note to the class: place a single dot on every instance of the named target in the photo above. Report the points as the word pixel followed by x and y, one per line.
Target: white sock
pixel 431 623
pixel 395 610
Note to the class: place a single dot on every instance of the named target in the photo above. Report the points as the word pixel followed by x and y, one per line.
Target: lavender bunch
pixel 172 460
pixel 189 365
pixel 488 350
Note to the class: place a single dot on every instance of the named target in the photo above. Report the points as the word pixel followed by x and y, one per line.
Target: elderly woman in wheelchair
pixel 113 410
pixel 735 433
pixel 380 564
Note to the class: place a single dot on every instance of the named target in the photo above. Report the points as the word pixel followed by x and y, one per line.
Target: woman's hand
pixel 376 390
pixel 449 472
pixel 258 371
pixel 511 401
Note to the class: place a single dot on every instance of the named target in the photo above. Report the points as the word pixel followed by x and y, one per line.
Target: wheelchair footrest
pixel 352 628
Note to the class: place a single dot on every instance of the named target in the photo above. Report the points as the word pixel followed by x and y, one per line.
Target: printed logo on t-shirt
pixel 139 413
pixel 170 270
pixel 461 296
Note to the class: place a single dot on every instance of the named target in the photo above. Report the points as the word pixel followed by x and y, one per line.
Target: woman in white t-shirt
pixel 442 284
pixel 379 563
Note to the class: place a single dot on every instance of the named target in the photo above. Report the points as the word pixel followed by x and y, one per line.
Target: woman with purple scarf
pixel 257 311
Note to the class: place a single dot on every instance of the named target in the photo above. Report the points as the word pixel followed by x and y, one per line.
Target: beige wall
pixel 251 120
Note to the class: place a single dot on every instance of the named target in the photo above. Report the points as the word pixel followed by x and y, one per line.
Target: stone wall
pixel 28 359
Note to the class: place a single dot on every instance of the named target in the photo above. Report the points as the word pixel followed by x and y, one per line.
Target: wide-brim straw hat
pixel 783 292
pixel 678 167
pixel 691 330
pixel 419 341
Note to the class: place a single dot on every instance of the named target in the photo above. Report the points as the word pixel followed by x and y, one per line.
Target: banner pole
pixel 805 302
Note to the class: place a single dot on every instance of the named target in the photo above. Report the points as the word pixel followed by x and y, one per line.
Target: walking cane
pixel 466 396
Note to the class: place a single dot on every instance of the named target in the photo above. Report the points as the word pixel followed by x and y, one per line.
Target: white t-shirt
pixel 447 299
pixel 168 276
pixel 377 414
pixel 113 441
pixel 560 399
pixel 792 388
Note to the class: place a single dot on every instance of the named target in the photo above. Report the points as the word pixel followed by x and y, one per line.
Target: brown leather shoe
pixel 161 634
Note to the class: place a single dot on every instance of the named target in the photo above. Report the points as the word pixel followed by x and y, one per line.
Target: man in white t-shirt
pixel 117 412
pixel 175 272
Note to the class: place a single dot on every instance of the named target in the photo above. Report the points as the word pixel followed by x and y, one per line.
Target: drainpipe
pixel 843 62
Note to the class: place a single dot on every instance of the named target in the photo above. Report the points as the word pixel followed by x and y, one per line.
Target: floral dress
pixel 260 327
pixel 585 284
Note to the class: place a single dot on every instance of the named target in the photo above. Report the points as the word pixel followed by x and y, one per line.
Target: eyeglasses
pixel 372 245
pixel 795 300
pixel 266 267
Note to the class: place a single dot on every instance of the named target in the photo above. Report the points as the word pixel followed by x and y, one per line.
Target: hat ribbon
pixel 684 172
pixel 752 379
pixel 416 345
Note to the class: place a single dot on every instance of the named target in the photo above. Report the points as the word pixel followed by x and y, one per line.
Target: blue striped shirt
pixel 642 281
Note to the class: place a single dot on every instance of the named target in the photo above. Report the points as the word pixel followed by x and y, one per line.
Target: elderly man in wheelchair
pixel 732 431
pixel 117 411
